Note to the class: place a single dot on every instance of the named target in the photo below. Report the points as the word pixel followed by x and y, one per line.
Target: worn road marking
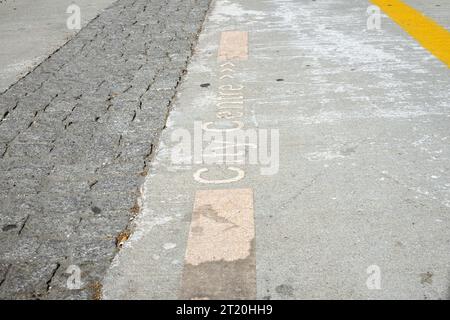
pixel 220 260
pixel 428 33
pixel 240 174
pixel 233 45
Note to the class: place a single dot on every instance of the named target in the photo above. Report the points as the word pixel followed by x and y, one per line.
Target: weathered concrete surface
pixel 364 173
pixel 76 136
pixel 31 30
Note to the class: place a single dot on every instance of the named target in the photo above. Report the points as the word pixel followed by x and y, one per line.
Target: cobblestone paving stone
pixel 76 136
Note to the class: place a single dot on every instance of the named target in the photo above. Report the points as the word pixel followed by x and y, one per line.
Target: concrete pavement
pixel 30 31
pixel 359 208
pixel 297 154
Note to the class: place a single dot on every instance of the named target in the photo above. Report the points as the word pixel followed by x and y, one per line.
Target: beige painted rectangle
pixel 220 258
pixel 233 45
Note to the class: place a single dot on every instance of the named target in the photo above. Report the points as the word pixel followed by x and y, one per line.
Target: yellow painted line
pixel 233 45
pixel 427 32
pixel 220 258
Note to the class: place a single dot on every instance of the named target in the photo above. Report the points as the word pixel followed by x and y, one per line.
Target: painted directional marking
pixel 227 64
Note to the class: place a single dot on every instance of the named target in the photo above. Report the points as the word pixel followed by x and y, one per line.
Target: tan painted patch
pixel 222 226
pixel 220 258
pixel 233 45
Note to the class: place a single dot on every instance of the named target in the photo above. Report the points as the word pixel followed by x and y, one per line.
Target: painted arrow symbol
pixel 227 64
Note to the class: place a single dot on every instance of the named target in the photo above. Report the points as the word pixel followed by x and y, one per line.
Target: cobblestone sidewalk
pixel 76 137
